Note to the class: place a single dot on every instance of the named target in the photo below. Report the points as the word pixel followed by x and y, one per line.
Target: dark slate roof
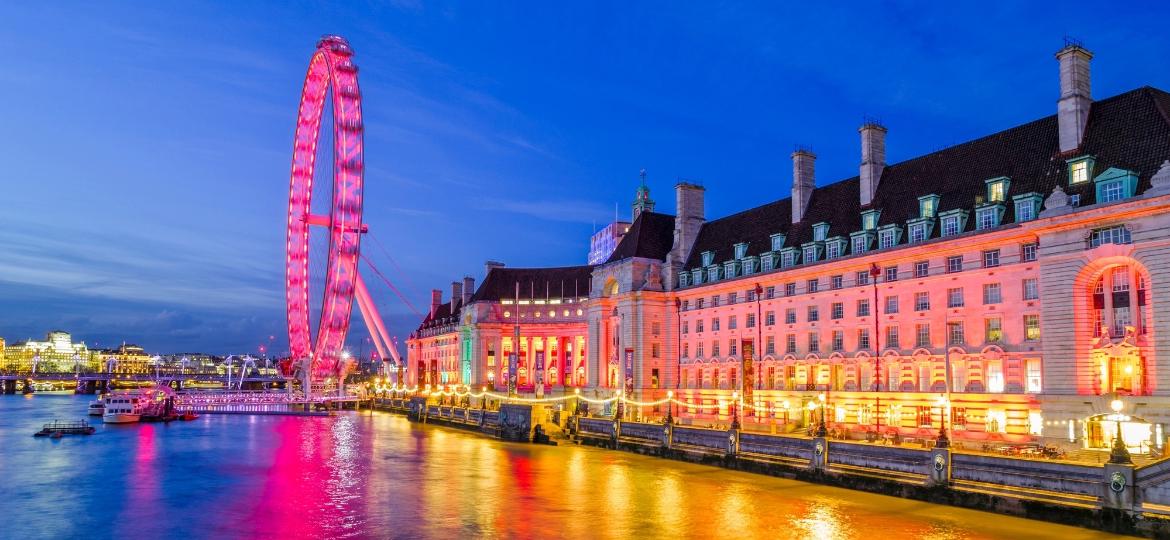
pixel 443 315
pixel 535 283
pixel 1128 131
pixel 650 236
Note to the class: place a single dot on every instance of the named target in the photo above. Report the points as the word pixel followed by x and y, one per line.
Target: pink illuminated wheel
pixel 331 66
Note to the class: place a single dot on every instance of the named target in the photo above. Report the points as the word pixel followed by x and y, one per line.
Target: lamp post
pixel 669 407
pixel 577 402
pixel 1119 454
pixel 874 273
pixel 735 409
pixel 822 429
pixel 943 441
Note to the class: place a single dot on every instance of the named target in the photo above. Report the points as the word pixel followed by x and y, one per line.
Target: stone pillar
pixel 732 442
pixel 940 467
pixel 1117 490
pixel 820 454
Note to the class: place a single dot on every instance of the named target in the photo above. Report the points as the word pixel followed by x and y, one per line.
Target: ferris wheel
pixel 323 356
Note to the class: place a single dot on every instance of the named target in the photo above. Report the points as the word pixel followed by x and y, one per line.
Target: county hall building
pixel 1034 262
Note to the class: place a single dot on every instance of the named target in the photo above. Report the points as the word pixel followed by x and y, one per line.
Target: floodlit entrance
pixel 1138 434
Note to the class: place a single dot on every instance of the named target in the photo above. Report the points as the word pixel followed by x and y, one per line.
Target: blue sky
pixel 146 146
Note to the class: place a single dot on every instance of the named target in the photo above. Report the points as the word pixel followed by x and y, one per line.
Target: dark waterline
pixel 375 475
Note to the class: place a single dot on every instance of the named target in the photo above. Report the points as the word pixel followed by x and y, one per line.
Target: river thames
pixel 375 475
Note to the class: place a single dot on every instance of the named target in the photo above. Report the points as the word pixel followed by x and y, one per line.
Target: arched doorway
pixel 1136 432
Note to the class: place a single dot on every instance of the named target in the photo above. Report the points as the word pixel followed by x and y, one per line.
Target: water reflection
pixel 379 476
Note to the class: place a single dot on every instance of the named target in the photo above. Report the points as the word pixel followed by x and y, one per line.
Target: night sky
pixel 146 147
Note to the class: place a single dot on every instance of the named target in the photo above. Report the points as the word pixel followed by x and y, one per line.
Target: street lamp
pixel 735 409
pixel 669 407
pixel 943 441
pixel 1119 453
pixel 822 429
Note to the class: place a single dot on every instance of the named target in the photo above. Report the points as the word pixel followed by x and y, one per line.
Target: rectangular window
pixel 891 305
pixel 986 218
pixel 837 311
pixel 832 250
pixel 1079 172
pixel 751 320
pixel 766 262
pixel 714 301
pixel 1028 252
pixel 921 301
pixel 921 269
pixel 769 318
pixel 732 322
pixel 732 346
pixel 836 282
pixel 790 316
pixel 863 307
pixel 993 329
pixel 686 352
pixel 950 226
pixel 732 297
pixel 1032 371
pixel 1031 289
pixel 715 324
pixel 892 337
pixel 955 297
pixel 863 277
pixel 1031 327
pixel 770 293
pixel 699 303
pixel 1109 235
pixel 991 258
pixel 770 345
pixel 813 314
pixel 790 343
pixel 751 295
pixel 886 239
pixel 838 340
pixel 922 335
pixel 991 294
pixel 814 342
pixel 1025 210
pixel 810 254
pixel 860 242
pixel 954 263
pixel 699 350
pixel 714 348
pixel 862 338
pixel 787 259
pixel 699 326
pixel 686 325
pixel 917 232
pixel 955 334
pixel 812 285
pixel 1112 191
pixel 789 289
pixel 891 273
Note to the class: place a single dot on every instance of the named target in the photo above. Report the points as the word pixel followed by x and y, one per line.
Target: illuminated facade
pixel 1017 275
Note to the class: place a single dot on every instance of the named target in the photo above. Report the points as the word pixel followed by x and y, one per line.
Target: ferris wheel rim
pixel 330 67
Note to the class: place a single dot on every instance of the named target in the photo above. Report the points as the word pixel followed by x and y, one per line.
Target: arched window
pixel 1119 302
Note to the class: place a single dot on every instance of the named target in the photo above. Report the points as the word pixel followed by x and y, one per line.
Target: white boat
pixel 97 407
pixel 123 407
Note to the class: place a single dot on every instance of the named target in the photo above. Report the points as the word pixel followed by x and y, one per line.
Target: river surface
pixel 375 475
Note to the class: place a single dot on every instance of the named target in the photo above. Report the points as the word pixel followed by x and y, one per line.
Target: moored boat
pixel 57 429
pixel 97 407
pixel 123 407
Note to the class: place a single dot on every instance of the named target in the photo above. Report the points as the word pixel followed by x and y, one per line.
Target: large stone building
pixel 1023 269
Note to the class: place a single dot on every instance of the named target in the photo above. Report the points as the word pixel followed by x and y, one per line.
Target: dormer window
pixel 997 189
pixel 696 276
pixel 683 277
pixel 766 262
pixel 988 217
pixel 920 231
pixel 730 269
pixel 741 250
pixel 953 222
pixel 859 242
pixel 749 265
pixel 777 242
pixel 869 219
pixel 1115 184
pixel 1027 206
pixel 820 232
pixel 811 253
pixel 888 236
pixel 927 206
pixel 834 248
pixel 708 258
pixel 713 274
pixel 1080 169
pixel 788 257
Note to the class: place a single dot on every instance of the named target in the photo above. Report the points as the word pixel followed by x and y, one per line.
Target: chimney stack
pixel 468 289
pixel 873 159
pixel 488 265
pixel 1073 107
pixel 436 300
pixel 456 294
pixel 688 219
pixel 803 181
